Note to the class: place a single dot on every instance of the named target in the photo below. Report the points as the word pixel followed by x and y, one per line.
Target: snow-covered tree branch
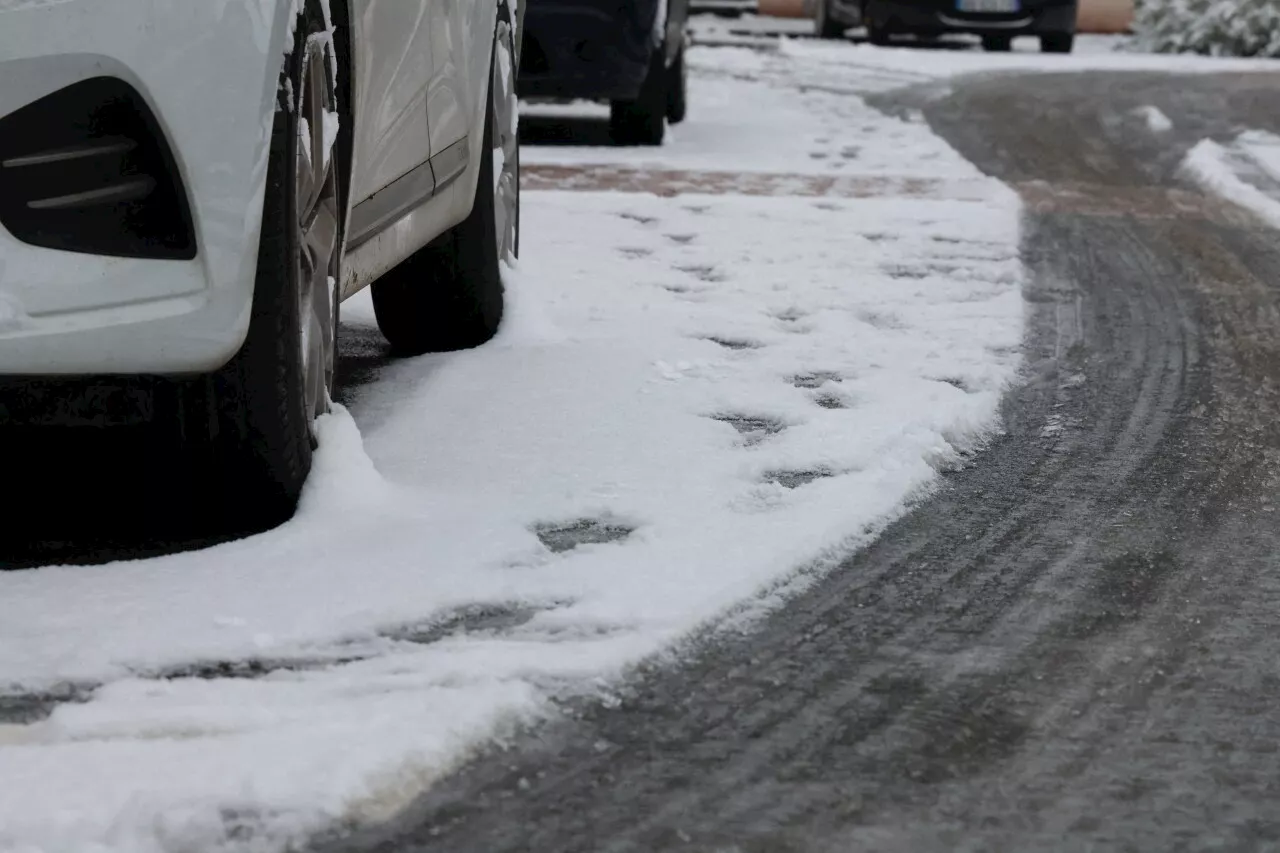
pixel 1215 27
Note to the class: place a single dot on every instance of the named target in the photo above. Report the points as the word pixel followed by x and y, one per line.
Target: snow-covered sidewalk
pixel 704 395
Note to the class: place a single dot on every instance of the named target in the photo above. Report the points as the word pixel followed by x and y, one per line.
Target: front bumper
pixel 586 48
pixel 208 71
pixel 929 17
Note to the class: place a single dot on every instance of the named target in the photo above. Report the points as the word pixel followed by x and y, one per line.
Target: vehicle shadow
pixel 83 495
pixel 544 130
pixel 86 493
pixel 363 353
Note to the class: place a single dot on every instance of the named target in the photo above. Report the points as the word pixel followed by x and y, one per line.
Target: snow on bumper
pixel 208 72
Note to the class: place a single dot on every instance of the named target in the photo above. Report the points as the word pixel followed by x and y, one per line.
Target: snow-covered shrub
pixel 1216 27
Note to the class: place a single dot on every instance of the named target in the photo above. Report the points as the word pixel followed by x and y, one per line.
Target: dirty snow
pixel 695 401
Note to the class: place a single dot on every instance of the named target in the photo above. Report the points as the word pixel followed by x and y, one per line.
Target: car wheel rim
pixel 506 158
pixel 316 204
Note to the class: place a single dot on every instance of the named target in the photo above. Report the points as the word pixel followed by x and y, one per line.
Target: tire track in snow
pixel 1071 644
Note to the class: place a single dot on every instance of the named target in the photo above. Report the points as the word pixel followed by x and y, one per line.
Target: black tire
pixel 643 121
pixel 823 25
pixel 448 295
pixel 255 410
pixel 677 90
pixel 878 36
pixel 1057 42
pixel 997 44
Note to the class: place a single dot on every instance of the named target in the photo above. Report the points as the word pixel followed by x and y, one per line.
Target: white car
pixel 188 190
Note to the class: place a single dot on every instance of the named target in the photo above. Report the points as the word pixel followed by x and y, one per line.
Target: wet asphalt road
pixel 1075 645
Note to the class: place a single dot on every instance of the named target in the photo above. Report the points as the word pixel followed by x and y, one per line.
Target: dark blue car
pixel 627 52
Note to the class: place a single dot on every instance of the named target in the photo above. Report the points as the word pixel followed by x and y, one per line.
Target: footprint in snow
pixel 560 537
pixel 694 295
pixel 880 319
pixel 703 272
pixel 251 668
pixel 478 618
pixel 955 382
pixel 22 709
pixel 816 379
pixel 830 401
pixel 901 271
pixel 753 428
pixel 640 218
pixel 796 479
pixel 734 343
pixel 790 320
pixel 635 252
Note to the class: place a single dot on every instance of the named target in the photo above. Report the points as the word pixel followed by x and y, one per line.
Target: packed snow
pixel 701 399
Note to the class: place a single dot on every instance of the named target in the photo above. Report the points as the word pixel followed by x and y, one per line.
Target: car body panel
pixel 472 26
pixel 392 50
pixel 446 97
pixel 72 313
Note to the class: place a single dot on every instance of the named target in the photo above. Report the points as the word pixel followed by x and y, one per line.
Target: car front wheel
pixel 258 412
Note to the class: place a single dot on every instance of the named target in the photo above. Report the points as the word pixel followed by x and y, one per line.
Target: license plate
pixel 988 5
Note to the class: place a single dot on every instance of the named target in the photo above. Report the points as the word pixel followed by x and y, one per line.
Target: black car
pixel 627 52
pixel 996 21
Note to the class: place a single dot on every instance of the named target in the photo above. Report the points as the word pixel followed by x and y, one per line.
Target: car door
pixel 447 96
pixel 394 67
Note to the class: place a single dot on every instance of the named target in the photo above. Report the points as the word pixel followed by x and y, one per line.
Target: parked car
pixel 997 22
pixel 188 190
pixel 628 52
